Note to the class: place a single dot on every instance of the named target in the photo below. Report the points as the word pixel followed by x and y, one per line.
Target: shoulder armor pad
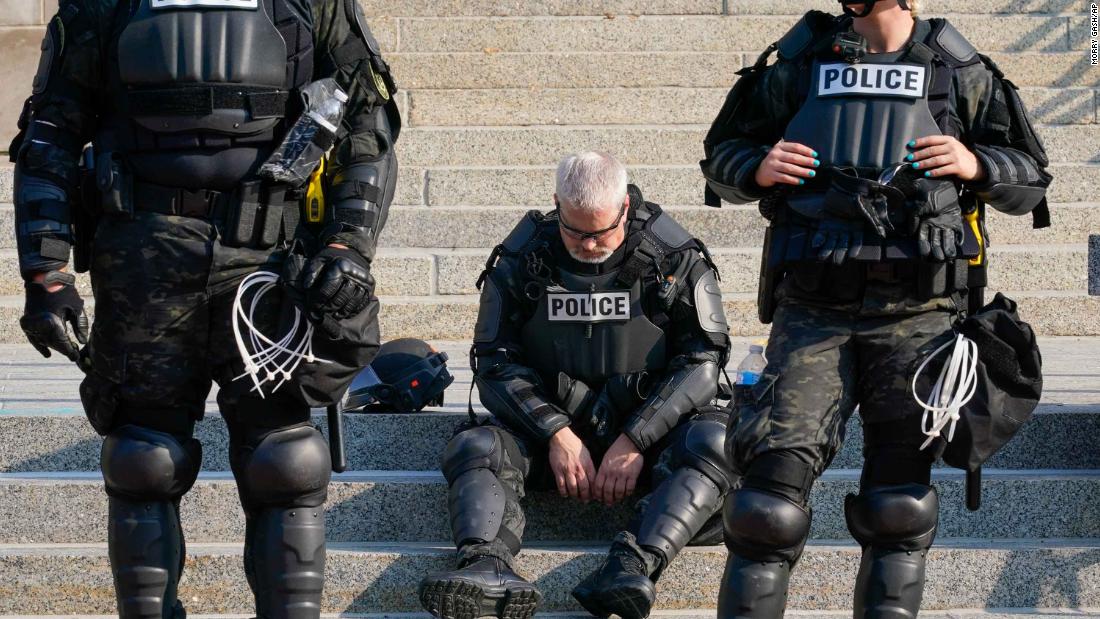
pixel 708 304
pixel 668 231
pixel 524 232
pixel 799 38
pixel 947 39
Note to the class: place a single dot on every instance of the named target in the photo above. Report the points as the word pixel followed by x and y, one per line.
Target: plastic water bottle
pixel 752 366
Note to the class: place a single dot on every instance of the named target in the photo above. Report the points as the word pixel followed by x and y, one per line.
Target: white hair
pixel 591 181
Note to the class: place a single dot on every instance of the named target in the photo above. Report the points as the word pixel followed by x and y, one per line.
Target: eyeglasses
pixel 582 235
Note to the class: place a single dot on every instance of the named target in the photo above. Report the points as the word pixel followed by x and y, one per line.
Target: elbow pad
pixel 512 398
pixel 1015 183
pixel 681 393
pixel 43 227
pixel 731 168
pixel 361 195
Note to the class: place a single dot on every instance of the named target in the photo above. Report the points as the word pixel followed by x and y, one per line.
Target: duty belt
pixel 252 215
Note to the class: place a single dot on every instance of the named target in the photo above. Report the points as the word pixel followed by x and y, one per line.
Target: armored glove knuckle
pixel 338 284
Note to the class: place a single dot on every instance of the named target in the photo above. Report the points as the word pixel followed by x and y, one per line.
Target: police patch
pixel 205 4
pixel 891 80
pixel 588 306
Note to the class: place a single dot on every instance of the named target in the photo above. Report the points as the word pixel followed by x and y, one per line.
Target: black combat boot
pixel 622 585
pixel 483 586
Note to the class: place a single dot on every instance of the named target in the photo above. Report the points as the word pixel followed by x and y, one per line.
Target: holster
pixel 771 273
pixel 115 185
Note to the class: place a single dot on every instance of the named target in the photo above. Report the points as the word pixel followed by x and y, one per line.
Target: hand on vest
pixel 837 239
pixel 619 471
pixel 337 285
pixel 572 465
pixel 943 155
pixel 55 320
pixel 789 163
pixel 938 221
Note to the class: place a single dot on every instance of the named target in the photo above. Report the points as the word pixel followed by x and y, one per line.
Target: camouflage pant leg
pixel 891 350
pixel 806 394
pixel 148 348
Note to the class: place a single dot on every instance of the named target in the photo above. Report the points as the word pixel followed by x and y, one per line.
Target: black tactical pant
pixel 164 290
pixel 519 464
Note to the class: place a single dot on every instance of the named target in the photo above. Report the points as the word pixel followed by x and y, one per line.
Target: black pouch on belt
pixel 116 187
pixel 255 219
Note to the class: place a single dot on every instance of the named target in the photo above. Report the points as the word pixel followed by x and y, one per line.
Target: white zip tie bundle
pixel 266 360
pixel 955 386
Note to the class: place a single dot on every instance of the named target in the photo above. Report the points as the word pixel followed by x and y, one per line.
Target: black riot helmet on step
pixel 868 6
pixel 406 376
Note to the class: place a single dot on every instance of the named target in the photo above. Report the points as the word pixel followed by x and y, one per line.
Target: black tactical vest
pixel 592 329
pixel 862 115
pixel 204 87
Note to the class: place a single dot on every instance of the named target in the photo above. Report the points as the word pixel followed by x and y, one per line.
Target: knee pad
pixel 901 517
pixel 763 526
pixel 143 464
pixel 288 468
pixel 476 448
pixel 701 446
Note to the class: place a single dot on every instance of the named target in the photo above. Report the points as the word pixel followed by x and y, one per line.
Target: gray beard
pixel 597 260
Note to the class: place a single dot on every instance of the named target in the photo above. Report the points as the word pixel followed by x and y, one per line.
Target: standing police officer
pixel 183 100
pixel 872 145
pixel 599 340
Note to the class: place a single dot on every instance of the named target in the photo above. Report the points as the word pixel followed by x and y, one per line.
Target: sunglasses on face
pixel 583 235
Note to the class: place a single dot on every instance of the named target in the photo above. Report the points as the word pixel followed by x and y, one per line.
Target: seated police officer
pixel 597 351
pixel 872 144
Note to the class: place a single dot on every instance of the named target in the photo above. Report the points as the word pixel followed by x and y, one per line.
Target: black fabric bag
pixel 1010 384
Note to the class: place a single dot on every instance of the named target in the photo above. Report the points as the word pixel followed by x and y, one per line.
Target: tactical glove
pixel 838 239
pixel 55 319
pixel 337 285
pixel 937 220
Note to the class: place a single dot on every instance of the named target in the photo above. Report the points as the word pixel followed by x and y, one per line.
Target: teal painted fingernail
pixel 911 143
pixel 814 154
pixel 816 163
pixel 909 157
pixel 813 173
pixel 916 165
pixel 801 181
pixel 928 175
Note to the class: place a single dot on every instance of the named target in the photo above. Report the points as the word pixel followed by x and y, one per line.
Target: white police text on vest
pixel 896 80
pixel 588 307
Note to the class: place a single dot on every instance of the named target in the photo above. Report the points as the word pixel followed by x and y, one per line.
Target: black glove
pixel 55 319
pixel 337 285
pixel 838 239
pixel 937 220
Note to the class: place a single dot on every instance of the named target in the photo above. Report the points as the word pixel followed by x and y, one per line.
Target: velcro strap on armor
pixel 53 248
pixel 356 217
pixel 355 189
pixel 40 131
pixel 202 101
pixel 782 474
pixel 647 254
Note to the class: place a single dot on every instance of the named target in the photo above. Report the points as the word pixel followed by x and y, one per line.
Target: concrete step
pixel 746 33
pixel 706 613
pixel 41 407
pixel 372 506
pixel 627 8
pixel 569 69
pixel 383 578
pixel 452 317
pixel 538 105
pixel 634 144
pixel 664 184
pixel 435 271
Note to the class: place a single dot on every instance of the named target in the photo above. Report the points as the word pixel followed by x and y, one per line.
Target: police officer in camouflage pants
pixel 597 350
pixel 871 144
pixel 183 101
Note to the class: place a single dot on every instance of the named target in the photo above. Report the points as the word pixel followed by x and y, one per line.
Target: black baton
pixel 336 438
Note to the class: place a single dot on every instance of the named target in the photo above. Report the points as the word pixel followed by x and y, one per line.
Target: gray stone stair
pixel 367 577
pixel 371 506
